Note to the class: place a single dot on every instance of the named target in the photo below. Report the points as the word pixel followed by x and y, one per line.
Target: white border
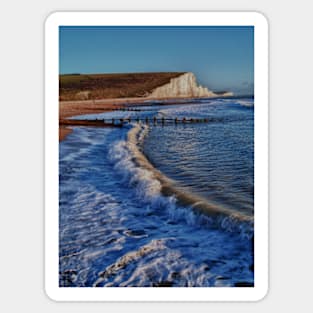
pixel 52 149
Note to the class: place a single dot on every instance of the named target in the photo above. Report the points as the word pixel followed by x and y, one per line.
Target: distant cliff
pixel 184 85
pixel 132 85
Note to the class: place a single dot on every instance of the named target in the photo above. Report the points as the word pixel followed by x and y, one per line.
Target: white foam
pixel 246 103
pixel 147 187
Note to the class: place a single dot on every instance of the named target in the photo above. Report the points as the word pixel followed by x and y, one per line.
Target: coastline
pixel 73 108
pixel 81 107
pixel 151 188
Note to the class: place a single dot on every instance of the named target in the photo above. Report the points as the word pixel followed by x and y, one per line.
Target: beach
pixel 156 157
pixel 69 109
pixel 129 196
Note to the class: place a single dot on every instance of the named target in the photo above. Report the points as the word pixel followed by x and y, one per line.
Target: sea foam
pixel 147 182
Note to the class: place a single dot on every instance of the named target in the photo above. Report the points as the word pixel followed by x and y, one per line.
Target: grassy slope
pixel 103 86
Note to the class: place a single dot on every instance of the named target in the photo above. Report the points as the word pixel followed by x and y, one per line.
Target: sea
pixel 160 204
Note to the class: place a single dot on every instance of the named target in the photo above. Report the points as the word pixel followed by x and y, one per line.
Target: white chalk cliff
pixel 184 85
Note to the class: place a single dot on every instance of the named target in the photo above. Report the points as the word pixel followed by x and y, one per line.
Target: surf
pixel 154 188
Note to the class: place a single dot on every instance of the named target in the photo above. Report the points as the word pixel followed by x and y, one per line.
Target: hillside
pixel 133 85
pixel 104 86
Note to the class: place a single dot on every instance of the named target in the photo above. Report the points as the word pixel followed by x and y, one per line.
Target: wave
pixel 157 191
pixel 246 103
pixel 131 257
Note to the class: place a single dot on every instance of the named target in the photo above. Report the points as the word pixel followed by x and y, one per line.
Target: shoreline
pixel 184 197
pixel 81 107
pixel 76 108
pixel 73 108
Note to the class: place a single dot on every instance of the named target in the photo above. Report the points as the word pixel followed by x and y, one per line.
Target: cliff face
pixel 111 86
pixel 132 85
pixel 184 85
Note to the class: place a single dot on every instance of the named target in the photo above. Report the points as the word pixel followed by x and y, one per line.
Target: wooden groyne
pixel 95 123
pixel 128 109
pixel 119 122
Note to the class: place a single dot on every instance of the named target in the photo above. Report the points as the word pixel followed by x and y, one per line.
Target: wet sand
pixel 74 108
pixel 81 107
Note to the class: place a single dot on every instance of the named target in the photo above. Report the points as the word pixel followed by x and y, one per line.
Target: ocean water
pixel 159 205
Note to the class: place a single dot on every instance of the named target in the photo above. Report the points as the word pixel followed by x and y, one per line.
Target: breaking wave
pixel 131 215
pixel 246 103
pixel 156 191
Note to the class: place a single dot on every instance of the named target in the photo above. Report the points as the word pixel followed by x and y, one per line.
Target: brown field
pixel 110 86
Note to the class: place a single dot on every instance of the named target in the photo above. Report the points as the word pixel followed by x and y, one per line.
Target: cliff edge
pixel 132 85
pixel 184 85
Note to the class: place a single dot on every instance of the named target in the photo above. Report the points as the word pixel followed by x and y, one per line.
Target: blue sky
pixel 222 58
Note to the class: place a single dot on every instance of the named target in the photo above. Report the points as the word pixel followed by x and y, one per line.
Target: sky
pixel 221 57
